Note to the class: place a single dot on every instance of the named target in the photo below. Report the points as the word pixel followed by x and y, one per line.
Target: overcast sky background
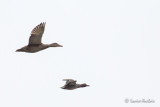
pixel 112 45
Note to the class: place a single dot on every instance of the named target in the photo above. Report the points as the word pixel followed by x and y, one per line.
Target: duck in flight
pixel 71 84
pixel 35 43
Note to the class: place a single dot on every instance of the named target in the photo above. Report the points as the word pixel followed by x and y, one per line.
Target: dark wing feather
pixel 36 34
pixel 71 83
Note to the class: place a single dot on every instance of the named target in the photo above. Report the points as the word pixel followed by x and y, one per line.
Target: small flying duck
pixel 35 43
pixel 71 84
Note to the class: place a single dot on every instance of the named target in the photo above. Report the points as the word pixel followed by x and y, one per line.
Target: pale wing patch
pixel 70 81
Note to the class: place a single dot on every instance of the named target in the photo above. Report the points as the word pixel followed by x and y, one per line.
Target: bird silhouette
pixel 35 43
pixel 71 84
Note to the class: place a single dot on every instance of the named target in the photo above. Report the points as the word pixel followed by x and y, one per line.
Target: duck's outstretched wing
pixel 36 34
pixel 70 81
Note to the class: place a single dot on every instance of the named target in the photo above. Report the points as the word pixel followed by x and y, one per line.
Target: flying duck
pixel 35 43
pixel 71 84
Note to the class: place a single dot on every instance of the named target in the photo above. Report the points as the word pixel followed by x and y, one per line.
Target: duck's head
pixel 84 85
pixel 55 45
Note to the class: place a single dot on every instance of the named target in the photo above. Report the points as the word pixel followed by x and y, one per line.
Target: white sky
pixel 112 45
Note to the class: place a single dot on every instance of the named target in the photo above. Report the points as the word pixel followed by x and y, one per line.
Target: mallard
pixel 71 84
pixel 35 43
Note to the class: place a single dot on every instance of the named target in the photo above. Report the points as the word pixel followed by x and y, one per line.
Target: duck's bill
pixel 60 46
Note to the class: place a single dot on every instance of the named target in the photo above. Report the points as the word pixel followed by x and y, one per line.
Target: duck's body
pixel 36 47
pixel 72 87
pixel 32 48
pixel 35 43
pixel 71 84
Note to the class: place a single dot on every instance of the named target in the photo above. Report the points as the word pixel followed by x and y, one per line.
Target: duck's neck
pixel 52 45
pixel 81 85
